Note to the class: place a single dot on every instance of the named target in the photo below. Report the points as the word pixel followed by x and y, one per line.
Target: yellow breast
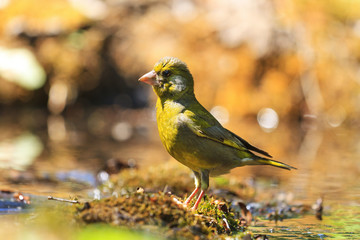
pixel 167 114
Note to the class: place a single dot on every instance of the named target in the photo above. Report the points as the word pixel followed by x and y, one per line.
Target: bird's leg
pixel 187 201
pixel 197 188
pixel 204 174
pixel 198 200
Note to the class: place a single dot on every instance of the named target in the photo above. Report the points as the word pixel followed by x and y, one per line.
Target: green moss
pixel 143 210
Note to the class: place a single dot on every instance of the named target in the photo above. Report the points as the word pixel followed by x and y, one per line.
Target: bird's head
pixel 170 78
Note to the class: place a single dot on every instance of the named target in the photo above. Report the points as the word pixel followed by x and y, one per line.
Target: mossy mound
pixel 142 210
pixel 172 178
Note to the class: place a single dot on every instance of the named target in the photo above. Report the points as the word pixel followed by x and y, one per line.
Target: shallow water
pixel 341 222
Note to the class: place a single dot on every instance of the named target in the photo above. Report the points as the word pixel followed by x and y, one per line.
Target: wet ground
pixel 79 162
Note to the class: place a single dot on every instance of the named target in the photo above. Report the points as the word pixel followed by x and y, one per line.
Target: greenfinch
pixel 191 134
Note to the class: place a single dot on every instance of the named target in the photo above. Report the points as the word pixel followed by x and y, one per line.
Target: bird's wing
pixel 249 146
pixel 203 124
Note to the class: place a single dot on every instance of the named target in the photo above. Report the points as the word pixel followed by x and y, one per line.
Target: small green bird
pixel 191 134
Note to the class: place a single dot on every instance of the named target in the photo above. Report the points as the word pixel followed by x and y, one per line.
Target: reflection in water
pixel 307 155
pixel 342 224
pixel 328 166
pixel 20 152
pixel 58 96
pixel 56 128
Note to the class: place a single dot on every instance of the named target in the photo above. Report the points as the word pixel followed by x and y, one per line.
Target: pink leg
pixel 198 200
pixel 191 196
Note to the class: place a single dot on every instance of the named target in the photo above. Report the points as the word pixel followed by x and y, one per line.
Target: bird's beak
pixel 149 78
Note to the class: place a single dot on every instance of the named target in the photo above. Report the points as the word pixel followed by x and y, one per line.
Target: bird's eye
pixel 166 73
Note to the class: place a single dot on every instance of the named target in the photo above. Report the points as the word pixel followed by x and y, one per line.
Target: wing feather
pixel 205 125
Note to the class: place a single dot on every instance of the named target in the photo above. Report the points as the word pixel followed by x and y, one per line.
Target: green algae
pixel 103 231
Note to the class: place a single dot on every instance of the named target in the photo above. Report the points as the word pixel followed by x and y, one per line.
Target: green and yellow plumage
pixel 190 133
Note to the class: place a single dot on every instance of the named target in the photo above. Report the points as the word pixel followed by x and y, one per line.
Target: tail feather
pixel 266 161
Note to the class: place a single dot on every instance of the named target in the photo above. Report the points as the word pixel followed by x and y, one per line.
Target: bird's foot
pixel 177 201
pixel 184 204
pixel 193 209
pixel 188 206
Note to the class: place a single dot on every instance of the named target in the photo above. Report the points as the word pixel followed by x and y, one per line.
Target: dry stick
pixel 62 199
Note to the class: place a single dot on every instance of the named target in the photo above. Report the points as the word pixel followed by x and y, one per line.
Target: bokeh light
pixel 21 67
pixel 122 131
pixel 221 114
pixel 268 119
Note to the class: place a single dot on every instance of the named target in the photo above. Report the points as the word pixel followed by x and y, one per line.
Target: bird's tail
pixel 266 161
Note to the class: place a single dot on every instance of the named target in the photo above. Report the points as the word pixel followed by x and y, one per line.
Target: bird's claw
pixel 177 201
pixel 184 204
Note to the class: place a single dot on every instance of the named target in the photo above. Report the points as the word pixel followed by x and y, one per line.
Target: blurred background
pixel 284 75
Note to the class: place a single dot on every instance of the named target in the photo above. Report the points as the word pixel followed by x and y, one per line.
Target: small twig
pixel 227 226
pixel 62 199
